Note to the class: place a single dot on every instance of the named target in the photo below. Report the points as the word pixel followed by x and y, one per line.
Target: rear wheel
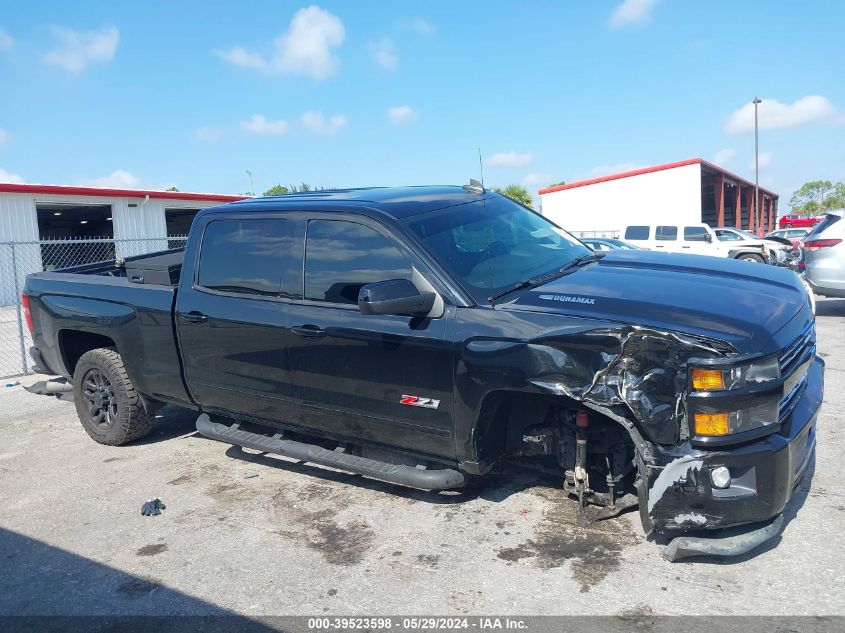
pixel 788 225
pixel 750 257
pixel 107 404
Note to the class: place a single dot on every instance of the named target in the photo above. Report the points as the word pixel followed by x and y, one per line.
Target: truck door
pixel 388 379
pixel 232 318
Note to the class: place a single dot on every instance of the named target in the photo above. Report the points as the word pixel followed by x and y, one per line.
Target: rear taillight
pixel 821 243
pixel 27 314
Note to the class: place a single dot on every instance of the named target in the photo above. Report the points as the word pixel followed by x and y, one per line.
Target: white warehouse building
pixel 43 227
pixel 689 191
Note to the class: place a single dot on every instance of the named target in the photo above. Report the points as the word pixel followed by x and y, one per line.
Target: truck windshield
pixel 493 244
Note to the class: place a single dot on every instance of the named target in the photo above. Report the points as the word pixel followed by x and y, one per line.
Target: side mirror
pixel 708 237
pixel 395 296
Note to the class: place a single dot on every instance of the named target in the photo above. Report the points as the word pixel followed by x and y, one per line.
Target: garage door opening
pixel 178 221
pixel 78 234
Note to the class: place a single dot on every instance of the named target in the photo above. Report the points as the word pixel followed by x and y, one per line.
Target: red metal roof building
pixel 694 188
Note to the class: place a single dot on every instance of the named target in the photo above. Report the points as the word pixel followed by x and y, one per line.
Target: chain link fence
pixel 19 259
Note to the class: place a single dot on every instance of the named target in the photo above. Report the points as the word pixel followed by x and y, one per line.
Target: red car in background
pixel 788 221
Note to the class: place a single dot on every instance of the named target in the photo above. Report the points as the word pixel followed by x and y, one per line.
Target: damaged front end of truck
pixel 709 442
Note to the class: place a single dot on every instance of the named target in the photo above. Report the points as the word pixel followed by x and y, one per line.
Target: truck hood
pixel 742 303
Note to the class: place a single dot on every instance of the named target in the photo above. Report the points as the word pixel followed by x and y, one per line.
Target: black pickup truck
pixel 425 335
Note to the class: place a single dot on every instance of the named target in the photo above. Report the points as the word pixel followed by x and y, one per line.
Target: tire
pixel 788 225
pixel 751 258
pixel 107 404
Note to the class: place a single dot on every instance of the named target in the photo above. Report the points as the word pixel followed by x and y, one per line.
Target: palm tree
pixel 518 193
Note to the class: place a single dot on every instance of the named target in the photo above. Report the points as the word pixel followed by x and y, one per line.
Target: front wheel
pixel 788 225
pixel 107 404
pixel 751 258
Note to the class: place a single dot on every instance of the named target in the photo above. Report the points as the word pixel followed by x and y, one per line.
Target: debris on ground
pixel 152 507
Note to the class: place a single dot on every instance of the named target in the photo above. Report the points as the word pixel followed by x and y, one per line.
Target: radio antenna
pixel 481 167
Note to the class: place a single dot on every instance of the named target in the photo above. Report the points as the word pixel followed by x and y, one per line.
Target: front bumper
pixel 764 473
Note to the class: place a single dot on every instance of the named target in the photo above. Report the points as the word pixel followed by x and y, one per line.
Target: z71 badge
pixel 416 401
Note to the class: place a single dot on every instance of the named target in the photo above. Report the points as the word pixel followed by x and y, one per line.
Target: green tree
pixel 558 184
pixel 275 190
pixel 518 193
pixel 172 189
pixel 817 196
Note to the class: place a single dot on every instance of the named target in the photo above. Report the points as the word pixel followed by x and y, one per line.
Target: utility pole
pixel 757 219
pixel 251 188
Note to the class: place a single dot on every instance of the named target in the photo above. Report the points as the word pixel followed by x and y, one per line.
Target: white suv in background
pixel 823 253
pixel 697 239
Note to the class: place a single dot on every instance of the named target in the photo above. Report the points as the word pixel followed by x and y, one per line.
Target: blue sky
pixel 340 94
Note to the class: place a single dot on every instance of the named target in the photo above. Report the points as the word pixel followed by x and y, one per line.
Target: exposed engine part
pixel 595 454
pixel 582 478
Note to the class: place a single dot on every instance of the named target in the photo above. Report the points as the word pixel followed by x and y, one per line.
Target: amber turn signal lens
pixel 707 380
pixel 712 423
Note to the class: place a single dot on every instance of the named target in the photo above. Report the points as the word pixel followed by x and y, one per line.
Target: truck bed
pixel 159 268
pixel 100 300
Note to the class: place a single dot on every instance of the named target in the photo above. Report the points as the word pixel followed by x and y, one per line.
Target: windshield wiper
pixel 532 282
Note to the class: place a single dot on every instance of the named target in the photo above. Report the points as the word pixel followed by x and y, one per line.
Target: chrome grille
pixel 794 356
pixel 798 351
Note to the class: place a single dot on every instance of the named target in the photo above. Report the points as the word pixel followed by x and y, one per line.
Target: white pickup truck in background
pixel 697 239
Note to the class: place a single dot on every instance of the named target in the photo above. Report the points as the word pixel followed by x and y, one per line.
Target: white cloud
pixel 510 159
pixel 402 114
pixel 258 124
pixel 632 13
pixel 606 170
pixel 207 133
pixel 118 179
pixel 319 124
pixel 74 50
pixel 383 52
pixel 724 156
pixel 6 41
pixel 773 114
pixel 533 179
pixel 7 176
pixel 4 136
pixel 304 49
pixel 765 160
pixel 421 26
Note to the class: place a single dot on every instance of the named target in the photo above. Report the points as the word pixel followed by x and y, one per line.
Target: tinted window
pixel 695 234
pixel 340 257
pixel 636 233
pixel 827 221
pixel 494 243
pixel 260 257
pixel 666 233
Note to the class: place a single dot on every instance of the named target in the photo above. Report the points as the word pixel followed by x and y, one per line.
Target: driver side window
pixel 342 256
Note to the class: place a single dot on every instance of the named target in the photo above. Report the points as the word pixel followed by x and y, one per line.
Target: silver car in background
pixel 823 253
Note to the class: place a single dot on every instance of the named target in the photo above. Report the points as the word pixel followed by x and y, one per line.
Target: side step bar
pixel 440 479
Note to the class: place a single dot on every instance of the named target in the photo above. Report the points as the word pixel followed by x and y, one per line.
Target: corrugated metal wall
pixel 143 220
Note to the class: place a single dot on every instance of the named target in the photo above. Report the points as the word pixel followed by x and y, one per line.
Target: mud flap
pixel 727 542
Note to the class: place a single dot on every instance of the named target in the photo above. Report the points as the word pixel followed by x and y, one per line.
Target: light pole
pixel 757 101
pixel 251 188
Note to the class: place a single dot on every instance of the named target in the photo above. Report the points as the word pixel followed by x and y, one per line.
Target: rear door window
pixel 256 257
pixel 695 234
pixel 637 233
pixel 666 233
pixel 827 221
pixel 342 256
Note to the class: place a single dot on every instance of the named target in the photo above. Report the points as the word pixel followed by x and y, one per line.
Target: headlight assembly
pixel 736 377
pixel 730 423
pixel 722 404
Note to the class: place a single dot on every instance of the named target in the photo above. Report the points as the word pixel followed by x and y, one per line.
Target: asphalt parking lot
pixel 254 535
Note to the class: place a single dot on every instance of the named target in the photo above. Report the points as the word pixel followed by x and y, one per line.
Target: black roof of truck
pixel 396 202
